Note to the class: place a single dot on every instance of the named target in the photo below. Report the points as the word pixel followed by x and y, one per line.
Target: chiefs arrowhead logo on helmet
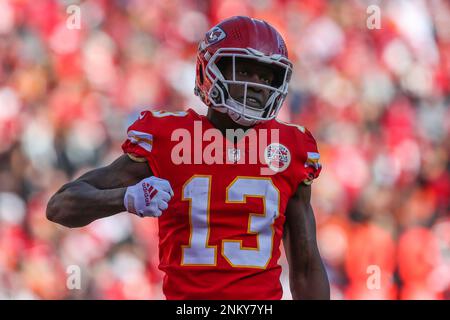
pixel 215 35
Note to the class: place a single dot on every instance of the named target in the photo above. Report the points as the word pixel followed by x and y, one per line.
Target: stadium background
pixel 376 100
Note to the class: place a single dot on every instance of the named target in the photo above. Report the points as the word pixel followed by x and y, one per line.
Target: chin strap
pixel 236 117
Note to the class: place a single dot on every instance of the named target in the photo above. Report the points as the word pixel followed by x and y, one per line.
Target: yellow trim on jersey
pixel 189 245
pixel 263 214
pixel 136 158
pixel 299 127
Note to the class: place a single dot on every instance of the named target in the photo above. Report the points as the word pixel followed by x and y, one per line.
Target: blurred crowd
pixel 377 101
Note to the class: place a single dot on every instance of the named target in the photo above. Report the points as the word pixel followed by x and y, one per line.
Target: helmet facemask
pixel 244 110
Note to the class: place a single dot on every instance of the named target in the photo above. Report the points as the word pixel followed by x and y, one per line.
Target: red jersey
pixel 220 237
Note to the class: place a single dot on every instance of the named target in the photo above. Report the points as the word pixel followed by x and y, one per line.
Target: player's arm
pixel 307 276
pixel 97 194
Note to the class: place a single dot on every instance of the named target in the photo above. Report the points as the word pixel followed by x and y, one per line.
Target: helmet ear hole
pixel 215 93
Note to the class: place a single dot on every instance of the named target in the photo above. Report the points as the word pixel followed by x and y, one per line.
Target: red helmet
pixel 242 37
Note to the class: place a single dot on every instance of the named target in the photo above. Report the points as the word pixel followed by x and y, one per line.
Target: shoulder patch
pixel 277 157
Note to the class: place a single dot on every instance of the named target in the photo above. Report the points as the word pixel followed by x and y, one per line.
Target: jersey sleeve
pixel 310 158
pixel 141 136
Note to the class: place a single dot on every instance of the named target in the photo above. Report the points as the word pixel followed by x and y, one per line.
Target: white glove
pixel 149 197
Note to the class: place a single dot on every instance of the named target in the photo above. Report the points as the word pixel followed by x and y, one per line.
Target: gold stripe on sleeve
pixel 136 158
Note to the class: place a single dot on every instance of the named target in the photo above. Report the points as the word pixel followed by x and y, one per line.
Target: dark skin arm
pixel 307 276
pixel 96 194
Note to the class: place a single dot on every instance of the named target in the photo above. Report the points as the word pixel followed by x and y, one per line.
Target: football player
pixel 221 223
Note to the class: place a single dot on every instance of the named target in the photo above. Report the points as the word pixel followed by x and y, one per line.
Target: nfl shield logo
pixel 234 155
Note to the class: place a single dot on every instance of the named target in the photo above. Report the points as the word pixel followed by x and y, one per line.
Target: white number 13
pixel 197 191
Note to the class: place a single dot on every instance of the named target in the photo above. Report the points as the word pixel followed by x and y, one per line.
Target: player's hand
pixel 149 197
